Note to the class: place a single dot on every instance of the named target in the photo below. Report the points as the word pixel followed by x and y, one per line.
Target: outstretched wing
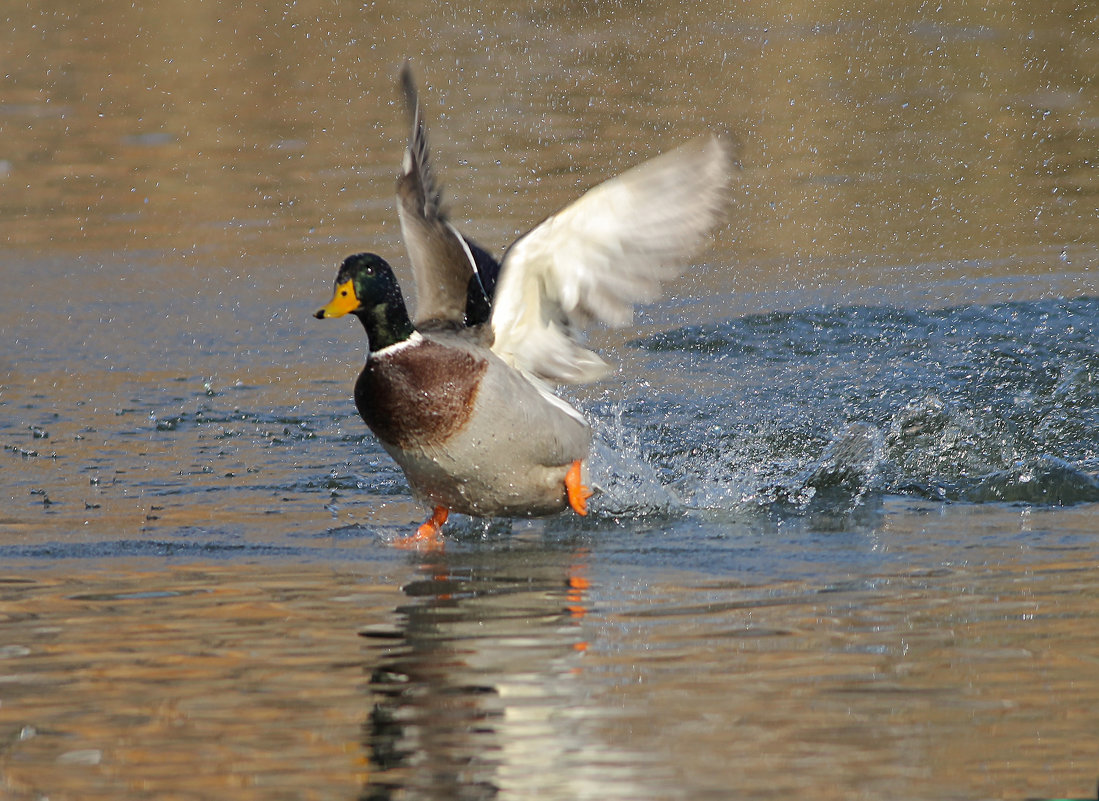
pixel 448 268
pixel 601 255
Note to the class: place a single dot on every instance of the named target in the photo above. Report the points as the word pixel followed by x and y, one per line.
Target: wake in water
pixel 820 409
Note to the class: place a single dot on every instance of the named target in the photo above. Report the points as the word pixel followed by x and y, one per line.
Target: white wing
pixel 595 259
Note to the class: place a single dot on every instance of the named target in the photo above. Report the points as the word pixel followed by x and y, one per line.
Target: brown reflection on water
pixel 964 685
pixel 200 682
pixel 521 673
pixel 900 134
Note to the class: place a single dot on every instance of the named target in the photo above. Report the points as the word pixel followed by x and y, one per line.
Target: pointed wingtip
pixel 720 154
pixel 727 148
pixel 709 165
pixel 723 148
pixel 408 89
pixel 416 169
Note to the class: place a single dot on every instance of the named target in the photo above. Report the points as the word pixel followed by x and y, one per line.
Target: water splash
pixel 978 403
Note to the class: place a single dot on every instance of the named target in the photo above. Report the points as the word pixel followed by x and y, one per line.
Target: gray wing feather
pixel 442 263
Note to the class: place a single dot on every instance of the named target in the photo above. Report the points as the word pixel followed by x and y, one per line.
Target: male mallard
pixel 461 398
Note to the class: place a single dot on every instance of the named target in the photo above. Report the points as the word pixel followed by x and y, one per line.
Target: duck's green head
pixel 367 288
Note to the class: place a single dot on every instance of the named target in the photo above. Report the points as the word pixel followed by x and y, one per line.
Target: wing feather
pixel 597 258
pixel 444 266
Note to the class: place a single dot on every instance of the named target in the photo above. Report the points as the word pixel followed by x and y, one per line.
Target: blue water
pixel 954 403
pixel 779 443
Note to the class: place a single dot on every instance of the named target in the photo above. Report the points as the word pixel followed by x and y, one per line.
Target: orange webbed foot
pixel 578 494
pixel 429 535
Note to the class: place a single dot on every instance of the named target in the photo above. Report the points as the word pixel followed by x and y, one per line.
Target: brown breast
pixel 420 394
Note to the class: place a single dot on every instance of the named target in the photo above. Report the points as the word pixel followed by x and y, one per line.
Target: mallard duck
pixel 461 396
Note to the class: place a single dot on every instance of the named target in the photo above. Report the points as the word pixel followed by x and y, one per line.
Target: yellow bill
pixel 344 301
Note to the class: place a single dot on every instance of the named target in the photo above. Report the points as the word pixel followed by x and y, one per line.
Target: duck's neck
pixel 386 323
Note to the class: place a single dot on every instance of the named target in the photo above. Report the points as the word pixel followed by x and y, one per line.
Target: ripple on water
pixel 815 413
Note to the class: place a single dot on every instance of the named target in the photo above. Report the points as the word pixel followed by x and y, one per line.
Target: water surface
pixel 846 541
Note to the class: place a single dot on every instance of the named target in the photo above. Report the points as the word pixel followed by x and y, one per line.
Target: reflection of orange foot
pixel 577 585
pixel 578 493
pixel 429 535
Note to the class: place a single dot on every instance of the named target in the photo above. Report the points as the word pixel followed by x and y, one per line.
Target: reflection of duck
pixel 479 690
pixel 461 399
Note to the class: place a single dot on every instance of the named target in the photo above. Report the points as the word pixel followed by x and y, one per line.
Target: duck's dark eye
pixel 343 293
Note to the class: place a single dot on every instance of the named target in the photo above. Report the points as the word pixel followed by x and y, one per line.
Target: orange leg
pixel 577 492
pixel 428 535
